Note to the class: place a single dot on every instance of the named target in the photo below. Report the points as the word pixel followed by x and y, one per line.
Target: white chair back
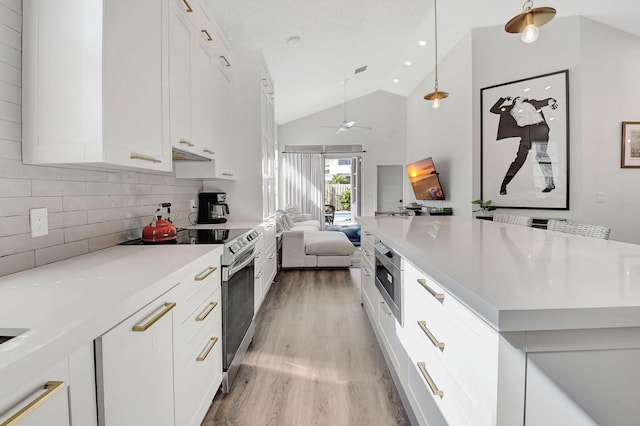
pixel 583 229
pixel 513 219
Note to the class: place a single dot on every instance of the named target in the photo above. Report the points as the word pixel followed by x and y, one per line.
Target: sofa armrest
pixel 306 216
pixel 292 245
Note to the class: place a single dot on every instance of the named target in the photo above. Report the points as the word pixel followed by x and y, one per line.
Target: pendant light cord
pixel 435 19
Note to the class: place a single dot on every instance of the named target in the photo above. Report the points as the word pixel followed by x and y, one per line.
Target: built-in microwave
pixel 389 278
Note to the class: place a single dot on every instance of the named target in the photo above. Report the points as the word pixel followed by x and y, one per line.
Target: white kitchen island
pixel 538 326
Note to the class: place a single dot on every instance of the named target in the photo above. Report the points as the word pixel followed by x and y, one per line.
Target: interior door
pixel 389 187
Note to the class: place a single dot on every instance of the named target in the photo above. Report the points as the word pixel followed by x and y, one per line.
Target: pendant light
pixel 528 22
pixel 436 95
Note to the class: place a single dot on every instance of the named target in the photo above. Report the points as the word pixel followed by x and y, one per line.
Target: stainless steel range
pixel 237 290
pixel 237 303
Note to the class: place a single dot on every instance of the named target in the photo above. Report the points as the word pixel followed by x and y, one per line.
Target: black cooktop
pixel 197 236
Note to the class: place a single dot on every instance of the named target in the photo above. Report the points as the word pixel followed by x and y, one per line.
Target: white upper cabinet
pixel 192 63
pixel 94 83
pixel 206 62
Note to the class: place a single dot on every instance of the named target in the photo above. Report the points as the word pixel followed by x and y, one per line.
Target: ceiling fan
pixel 347 125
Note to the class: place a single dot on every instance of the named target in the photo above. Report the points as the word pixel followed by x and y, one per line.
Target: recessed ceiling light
pixel 293 41
pixel 528 89
pixel 395 80
pixel 422 43
pixel 407 63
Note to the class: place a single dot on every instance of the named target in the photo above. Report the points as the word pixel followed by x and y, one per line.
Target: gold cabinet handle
pixel 209 38
pixel 271 256
pixel 186 142
pixel 436 343
pixel 50 388
pixel 384 310
pixel 258 255
pixel 188 6
pixel 204 274
pixel 135 156
pixel 227 174
pixel 367 273
pixel 259 275
pixel 365 252
pixel 432 385
pixel 203 355
pixel 208 151
pixel 225 61
pixel 144 327
pixel 207 311
pixel 435 294
pixel 367 233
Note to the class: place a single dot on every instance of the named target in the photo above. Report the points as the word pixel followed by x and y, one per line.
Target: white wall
pixel 385 143
pixel 602 64
pixel 610 83
pixel 445 134
pixel 499 57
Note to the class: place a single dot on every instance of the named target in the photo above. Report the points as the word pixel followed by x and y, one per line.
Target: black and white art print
pixel 525 143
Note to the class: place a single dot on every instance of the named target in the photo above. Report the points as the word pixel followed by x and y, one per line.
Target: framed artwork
pixel 524 145
pixel 630 144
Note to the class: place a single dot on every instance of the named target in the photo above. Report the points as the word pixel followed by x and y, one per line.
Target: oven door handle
pixel 241 262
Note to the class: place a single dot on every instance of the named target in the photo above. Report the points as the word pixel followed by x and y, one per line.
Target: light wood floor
pixel 314 360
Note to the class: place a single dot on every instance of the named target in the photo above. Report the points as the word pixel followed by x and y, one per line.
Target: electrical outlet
pixel 39 222
pixel 601 197
pixel 193 206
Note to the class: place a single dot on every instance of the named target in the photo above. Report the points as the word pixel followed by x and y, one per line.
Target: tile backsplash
pixel 88 210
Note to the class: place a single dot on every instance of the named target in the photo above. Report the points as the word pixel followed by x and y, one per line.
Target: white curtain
pixel 303 182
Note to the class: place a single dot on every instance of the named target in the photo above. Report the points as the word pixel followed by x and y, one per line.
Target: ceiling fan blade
pixel 360 128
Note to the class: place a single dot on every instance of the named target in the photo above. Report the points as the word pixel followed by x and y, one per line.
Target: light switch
pixel 601 197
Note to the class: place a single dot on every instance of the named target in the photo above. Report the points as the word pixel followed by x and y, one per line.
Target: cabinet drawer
pixel 208 312
pixel 199 375
pixel 47 392
pixel 388 327
pixel 202 278
pixel 368 253
pixel 367 237
pixel 368 289
pixel 451 404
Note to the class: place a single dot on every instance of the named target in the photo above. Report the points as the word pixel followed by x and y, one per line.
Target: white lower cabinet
pixel 258 271
pixel 41 399
pixel 266 265
pixel 163 365
pixel 198 341
pixel 134 367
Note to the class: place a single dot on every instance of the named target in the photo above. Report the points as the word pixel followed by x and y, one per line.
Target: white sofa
pixel 304 245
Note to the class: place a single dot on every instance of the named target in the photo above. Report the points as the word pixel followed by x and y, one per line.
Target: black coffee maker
pixel 212 207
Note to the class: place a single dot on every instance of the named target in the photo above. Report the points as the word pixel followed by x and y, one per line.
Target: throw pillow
pixel 293 213
pixel 287 223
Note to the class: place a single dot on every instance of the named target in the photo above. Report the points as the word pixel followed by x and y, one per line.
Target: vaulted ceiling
pixel 338 36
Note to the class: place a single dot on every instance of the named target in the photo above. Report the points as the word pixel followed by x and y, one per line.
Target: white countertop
pixel 519 278
pixel 69 303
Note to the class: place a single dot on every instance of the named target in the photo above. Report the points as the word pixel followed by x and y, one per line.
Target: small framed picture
pixel 630 144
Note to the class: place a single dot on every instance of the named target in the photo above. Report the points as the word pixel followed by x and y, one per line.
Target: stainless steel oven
pixel 389 278
pixel 237 312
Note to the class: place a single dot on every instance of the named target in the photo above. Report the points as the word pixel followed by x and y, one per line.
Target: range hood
pixel 180 155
